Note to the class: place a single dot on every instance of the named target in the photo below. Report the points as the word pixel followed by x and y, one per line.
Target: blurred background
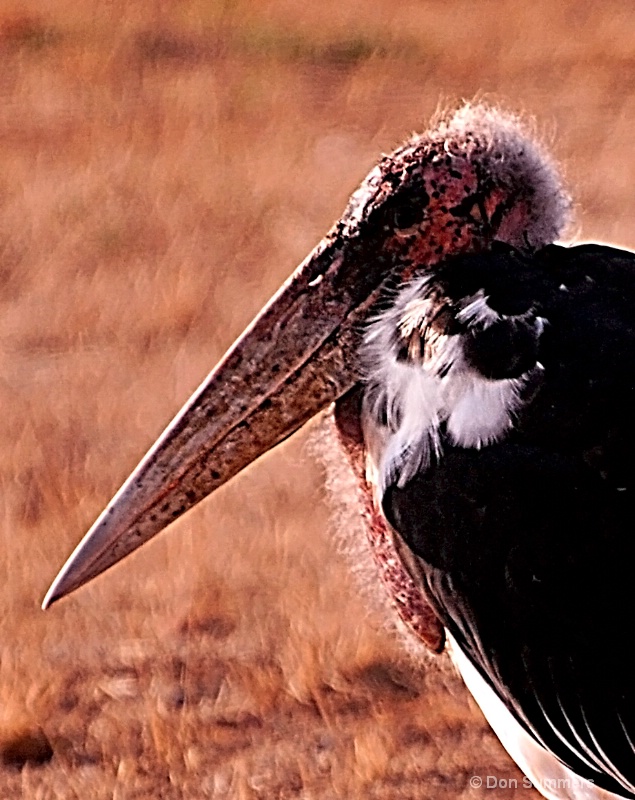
pixel 163 167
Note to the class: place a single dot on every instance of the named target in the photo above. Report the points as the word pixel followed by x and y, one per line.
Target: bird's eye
pixel 405 216
pixel 407 210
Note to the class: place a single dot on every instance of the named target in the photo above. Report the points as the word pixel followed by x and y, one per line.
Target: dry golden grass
pixel 163 168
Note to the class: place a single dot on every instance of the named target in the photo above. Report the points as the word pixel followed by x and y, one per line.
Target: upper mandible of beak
pixel 295 358
pixel 300 353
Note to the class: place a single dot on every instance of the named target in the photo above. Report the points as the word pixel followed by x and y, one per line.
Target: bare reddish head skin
pixel 475 178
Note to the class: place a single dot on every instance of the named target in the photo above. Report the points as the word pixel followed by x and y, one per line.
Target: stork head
pixel 476 177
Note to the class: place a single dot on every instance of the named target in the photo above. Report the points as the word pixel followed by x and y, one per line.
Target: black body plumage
pixel 495 374
pixel 527 545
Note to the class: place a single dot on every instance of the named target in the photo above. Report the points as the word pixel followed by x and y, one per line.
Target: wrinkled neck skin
pixel 396 565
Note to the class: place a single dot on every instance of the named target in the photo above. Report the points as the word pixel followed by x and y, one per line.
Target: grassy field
pixel 163 167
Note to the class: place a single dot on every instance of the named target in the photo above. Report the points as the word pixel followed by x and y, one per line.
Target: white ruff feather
pixel 476 311
pixel 407 401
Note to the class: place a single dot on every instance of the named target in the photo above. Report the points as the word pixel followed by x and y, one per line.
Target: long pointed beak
pixel 295 358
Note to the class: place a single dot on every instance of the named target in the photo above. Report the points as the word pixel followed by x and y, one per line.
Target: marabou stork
pixel 484 387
